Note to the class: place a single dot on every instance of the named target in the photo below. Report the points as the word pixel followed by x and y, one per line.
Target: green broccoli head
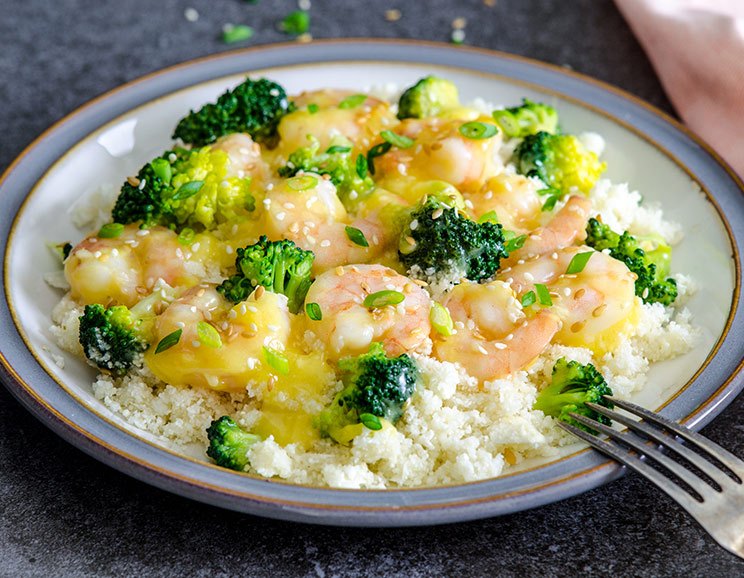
pixel 254 107
pixel 428 97
pixel 558 160
pixel 229 444
pixel 185 188
pixel 648 258
pixel 526 119
pixel 571 387
pixel 113 338
pixel 336 161
pixel 440 243
pixel 280 266
pixel 375 386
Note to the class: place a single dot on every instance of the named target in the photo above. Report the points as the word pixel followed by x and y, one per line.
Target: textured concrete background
pixel 62 513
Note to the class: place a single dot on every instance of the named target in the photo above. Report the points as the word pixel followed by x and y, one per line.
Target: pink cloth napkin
pixel 697 49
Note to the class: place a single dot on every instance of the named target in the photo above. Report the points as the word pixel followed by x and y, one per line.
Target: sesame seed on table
pixel 64 513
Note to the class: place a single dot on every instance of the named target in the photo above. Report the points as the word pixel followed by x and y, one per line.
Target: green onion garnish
pixel 543 295
pixel 478 130
pixel 187 190
pixel 313 311
pixel 169 341
pixel 338 149
pixel 276 359
pixel 111 230
pixel 295 23
pixel 302 183
pixel 162 170
pixel 383 298
pixel 186 236
pixel 440 319
pixel 361 166
pixel 208 335
pixel 312 108
pixel 512 243
pixel 398 140
pixel 578 262
pixel 356 236
pixel 352 101
pixel 370 421
pixel 489 217
pixel 232 34
pixel 376 151
pixel 528 299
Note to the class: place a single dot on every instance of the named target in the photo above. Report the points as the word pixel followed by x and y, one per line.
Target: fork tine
pixel 734 464
pixel 709 469
pixel 683 498
pixel 693 481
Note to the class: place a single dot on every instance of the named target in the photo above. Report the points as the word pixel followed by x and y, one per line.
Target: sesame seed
pixel 280 216
pixel 469 204
pixel 579 293
pixel 196 343
pixel 134 181
pixel 509 337
pixel 325 243
pixel 488 195
pixel 97 254
pixel 567 291
pixel 339 271
pixel 305 38
pixel 242 308
pixel 578 326
pixel 644 295
pixel 436 214
pixel 392 15
pixel 253 327
pixel 228 250
pixel 142 184
pixel 195 247
pixel 201 292
pixel 180 324
pixel 482 349
pixel 252 308
pixel 410 240
pixel 498 345
pixel 459 23
pixel 273 327
pixel 258 293
pixel 529 276
pixel 414 224
pixel 232 314
pixel 599 310
pixel 288 206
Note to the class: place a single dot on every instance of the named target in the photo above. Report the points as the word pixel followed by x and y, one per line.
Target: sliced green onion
pixel 295 23
pixel 338 149
pixel 356 236
pixel 578 262
pixel 162 170
pixel 528 299
pixel 187 190
pixel 513 243
pixel 543 295
pixel 302 183
pixel 361 166
pixel 232 34
pixel 352 101
pixel 276 359
pixel 208 335
pixel 370 421
pixel 549 204
pixel 186 236
pixel 376 151
pixel 478 130
pixel 313 311
pixel 489 217
pixel 398 140
pixel 312 108
pixel 440 319
pixel 169 341
pixel 111 230
pixel 383 298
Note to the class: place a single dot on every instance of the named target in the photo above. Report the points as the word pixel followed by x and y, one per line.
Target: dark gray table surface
pixel 63 513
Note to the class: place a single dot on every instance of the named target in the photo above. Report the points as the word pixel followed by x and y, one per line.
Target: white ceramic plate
pixel 113 136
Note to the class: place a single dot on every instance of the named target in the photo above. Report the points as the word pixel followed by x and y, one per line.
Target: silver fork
pixel 718 507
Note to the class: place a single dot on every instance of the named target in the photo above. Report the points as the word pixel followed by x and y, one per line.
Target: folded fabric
pixel 697 49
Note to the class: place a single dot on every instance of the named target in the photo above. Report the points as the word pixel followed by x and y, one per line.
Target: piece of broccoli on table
pixel 185 188
pixel 571 387
pixel 280 266
pixel 526 119
pixel 558 160
pixel 430 96
pixel 229 444
pixel 375 386
pixel 440 242
pixel 648 258
pixel 336 161
pixel 254 107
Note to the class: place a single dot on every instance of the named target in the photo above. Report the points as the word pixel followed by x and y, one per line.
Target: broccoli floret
pixel 571 387
pixel 255 107
pixel 559 160
pixel 113 338
pixel 528 118
pixel 440 243
pixel 229 443
pixel 428 97
pixel 648 258
pixel 280 266
pixel 336 161
pixel 185 188
pixel 375 386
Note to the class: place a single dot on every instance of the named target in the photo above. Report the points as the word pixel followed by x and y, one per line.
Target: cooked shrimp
pixel 493 335
pixel 595 305
pixel 566 228
pixel 348 327
pixel 120 270
pixel 306 210
pixel 514 199
pixel 245 156
pixel 440 152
